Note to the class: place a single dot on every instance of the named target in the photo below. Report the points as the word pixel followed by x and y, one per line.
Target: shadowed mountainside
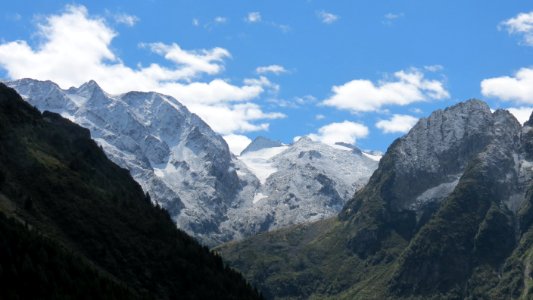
pixel 88 227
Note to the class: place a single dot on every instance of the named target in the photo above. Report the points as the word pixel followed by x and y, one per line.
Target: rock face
pixel 172 153
pixel 188 169
pixel 303 182
pixel 425 166
pixel 448 214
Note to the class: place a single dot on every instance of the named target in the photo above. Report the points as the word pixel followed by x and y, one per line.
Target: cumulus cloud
pixel 264 82
pixel 398 123
pixel 327 17
pixel 522 24
pixel 128 20
pixel 237 142
pixel 517 88
pixel 347 132
pixel 522 114
pixel 406 87
pixel 235 118
pixel 76 47
pixel 274 69
pixel 253 17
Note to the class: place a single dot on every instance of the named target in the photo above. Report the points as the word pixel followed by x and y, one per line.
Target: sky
pixel 360 72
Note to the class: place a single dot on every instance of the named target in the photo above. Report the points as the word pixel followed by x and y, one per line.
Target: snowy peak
pixel 188 169
pixel 259 143
pixel 90 91
pixel 174 155
pixel 302 182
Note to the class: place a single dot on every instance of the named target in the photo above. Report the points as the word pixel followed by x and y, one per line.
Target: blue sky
pixel 352 71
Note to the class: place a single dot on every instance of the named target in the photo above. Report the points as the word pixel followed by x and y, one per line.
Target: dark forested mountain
pixel 447 215
pixel 73 225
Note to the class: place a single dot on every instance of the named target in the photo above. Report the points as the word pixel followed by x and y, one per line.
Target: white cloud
pixel 128 20
pixel 320 117
pixel 275 69
pixel 253 17
pixel 220 20
pixel 361 95
pixel 195 22
pixel 191 63
pixel 416 110
pixel 237 143
pixel 347 132
pixel 398 123
pixel 326 17
pixel 226 119
pixel 517 88
pixel 521 24
pixel 263 82
pixel 305 99
pixel 522 114
pixel 76 48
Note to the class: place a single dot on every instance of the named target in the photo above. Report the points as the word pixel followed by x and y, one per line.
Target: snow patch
pixel 259 162
pixel 259 196
pixel 435 193
pixel 373 157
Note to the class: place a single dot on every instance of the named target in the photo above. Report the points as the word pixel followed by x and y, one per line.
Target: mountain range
pixel 188 169
pixel 445 213
pixel 74 225
pixel 448 214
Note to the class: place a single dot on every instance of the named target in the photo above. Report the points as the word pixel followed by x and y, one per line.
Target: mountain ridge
pixel 461 231
pixel 73 222
pixel 184 165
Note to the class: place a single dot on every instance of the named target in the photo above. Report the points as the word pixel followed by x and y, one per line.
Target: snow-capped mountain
pixel 189 170
pixel 172 153
pixel 302 182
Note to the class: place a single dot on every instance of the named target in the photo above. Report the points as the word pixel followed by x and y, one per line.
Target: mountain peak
pixel 90 89
pixel 259 143
pixel 304 140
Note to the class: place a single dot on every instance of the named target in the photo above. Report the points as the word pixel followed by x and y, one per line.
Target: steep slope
pixel 447 215
pixel 172 153
pixel 188 169
pixel 302 182
pixel 60 184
